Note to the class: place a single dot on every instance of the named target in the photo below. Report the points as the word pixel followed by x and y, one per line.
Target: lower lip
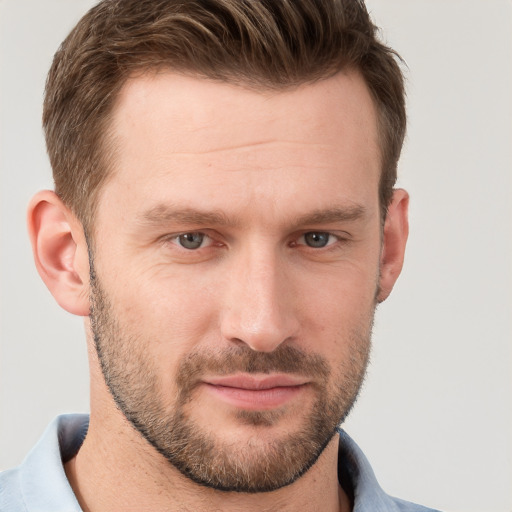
pixel 255 399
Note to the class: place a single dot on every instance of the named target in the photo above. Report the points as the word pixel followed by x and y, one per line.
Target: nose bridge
pixel 258 310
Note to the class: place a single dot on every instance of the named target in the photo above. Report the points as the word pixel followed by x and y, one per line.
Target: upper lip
pixel 255 382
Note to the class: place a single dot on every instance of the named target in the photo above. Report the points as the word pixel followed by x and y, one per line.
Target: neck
pixel 116 469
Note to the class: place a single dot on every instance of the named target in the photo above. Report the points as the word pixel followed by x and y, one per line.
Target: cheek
pixel 340 294
pixel 163 298
pixel 338 312
pixel 168 317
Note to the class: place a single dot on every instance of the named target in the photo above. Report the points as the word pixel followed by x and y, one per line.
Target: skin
pixel 273 167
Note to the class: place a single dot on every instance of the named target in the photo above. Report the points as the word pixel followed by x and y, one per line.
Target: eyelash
pixel 330 245
pixel 332 239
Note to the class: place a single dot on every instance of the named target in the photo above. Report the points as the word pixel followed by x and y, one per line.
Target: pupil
pixel 316 239
pixel 191 240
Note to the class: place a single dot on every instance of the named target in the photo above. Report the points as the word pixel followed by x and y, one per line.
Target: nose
pixel 259 306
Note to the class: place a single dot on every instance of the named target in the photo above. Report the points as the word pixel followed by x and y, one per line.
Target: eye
pixel 318 239
pixel 191 241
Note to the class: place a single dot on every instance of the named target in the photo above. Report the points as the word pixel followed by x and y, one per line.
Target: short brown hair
pixel 274 44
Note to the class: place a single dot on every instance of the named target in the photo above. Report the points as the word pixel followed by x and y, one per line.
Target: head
pixel 264 45
pixel 225 216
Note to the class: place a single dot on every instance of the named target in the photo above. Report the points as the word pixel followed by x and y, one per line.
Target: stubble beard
pixel 260 464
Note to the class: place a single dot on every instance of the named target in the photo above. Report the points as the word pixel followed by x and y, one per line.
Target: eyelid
pixel 332 239
pixel 338 241
pixel 173 238
pixel 337 235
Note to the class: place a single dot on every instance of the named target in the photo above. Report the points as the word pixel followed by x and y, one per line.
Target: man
pixel 224 219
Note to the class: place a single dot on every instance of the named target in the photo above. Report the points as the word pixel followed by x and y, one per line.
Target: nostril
pixel 237 341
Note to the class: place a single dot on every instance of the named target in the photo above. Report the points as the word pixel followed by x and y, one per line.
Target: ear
pixel 396 230
pixel 60 251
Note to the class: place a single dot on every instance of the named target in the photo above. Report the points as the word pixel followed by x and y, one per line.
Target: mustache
pixel 285 359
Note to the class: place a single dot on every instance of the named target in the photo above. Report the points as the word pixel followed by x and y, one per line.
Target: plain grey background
pixel 435 415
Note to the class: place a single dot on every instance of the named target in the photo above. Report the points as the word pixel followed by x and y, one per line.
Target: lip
pixel 257 393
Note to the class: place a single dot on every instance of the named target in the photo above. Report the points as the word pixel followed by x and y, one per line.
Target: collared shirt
pixel 39 484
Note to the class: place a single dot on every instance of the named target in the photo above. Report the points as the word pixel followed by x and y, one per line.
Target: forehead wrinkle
pixel 248 146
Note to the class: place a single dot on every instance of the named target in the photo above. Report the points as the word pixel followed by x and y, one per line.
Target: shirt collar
pixel 357 478
pixel 42 476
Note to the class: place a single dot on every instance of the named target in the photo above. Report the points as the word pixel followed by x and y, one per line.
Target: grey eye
pixel 317 239
pixel 191 240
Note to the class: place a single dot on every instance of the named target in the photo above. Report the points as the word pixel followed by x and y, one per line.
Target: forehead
pixel 173 133
pixel 188 108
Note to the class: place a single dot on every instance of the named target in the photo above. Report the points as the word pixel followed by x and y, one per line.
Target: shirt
pixel 39 484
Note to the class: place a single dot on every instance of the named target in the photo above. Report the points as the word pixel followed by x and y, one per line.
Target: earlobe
pixel 60 251
pixel 396 231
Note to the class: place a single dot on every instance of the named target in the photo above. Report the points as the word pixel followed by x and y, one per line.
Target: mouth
pixel 256 393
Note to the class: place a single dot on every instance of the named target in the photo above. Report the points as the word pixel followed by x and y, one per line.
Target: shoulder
pixel 11 497
pixel 39 483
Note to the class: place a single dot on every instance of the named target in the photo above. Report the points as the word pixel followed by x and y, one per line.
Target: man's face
pixel 235 270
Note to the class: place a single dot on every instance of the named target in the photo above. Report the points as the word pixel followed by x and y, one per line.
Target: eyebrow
pixel 166 214
pixel 331 215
